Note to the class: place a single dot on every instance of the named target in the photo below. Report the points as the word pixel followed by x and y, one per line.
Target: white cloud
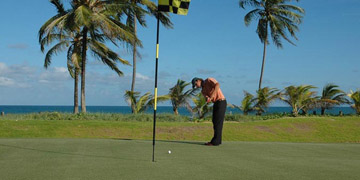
pixel 60 69
pixel 6 82
pixel 110 79
pixel 54 75
pixel 16 70
pixel 16 75
pixel 141 77
pixel 3 68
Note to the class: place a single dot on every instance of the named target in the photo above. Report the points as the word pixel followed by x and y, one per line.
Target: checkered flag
pixel 175 6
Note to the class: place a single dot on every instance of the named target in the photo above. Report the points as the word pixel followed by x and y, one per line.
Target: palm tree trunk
pixel 304 112
pixel 264 55
pixel 295 111
pixel 263 64
pixel 201 115
pixel 83 65
pixel 134 59
pixel 133 108
pixel 76 92
pixel 175 109
pixel 134 65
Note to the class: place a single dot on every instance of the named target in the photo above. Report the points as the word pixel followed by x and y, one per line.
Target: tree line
pixel 178 96
pixel 302 99
pixel 88 25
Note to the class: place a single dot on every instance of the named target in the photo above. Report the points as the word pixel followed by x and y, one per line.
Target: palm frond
pixel 53 25
pixel 253 3
pixel 141 105
pixel 289 7
pixel 54 50
pixel 251 15
pixel 50 38
pixel 262 30
pixel 59 6
pixel 82 16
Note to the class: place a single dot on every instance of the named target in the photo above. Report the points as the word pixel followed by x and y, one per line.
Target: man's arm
pixel 216 89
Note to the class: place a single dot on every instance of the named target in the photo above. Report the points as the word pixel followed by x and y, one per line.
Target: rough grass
pixel 146 117
pixel 95 116
pixel 287 129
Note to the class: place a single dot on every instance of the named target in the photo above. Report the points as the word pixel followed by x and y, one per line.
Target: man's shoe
pixel 210 144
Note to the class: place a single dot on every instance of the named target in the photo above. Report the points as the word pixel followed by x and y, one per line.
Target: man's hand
pixel 208 99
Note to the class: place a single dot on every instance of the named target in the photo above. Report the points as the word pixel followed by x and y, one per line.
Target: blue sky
pixel 211 41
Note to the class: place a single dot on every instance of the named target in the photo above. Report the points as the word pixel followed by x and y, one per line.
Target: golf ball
pixel 169 152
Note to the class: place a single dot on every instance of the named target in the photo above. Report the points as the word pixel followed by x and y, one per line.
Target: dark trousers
pixel 218 116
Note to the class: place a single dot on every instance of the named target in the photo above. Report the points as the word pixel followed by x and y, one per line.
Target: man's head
pixel 196 82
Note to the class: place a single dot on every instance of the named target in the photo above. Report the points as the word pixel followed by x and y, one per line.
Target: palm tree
pixel 141 103
pixel 264 97
pixel 137 14
pixel 73 63
pixel 355 97
pixel 97 21
pixel 202 108
pixel 299 97
pixel 247 104
pixel 73 59
pixel 67 39
pixel 73 43
pixel 179 97
pixel 276 15
pixel 330 97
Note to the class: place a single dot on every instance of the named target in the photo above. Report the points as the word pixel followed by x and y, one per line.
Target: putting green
pixel 131 159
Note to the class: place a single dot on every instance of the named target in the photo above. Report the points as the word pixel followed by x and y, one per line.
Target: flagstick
pixel 156 73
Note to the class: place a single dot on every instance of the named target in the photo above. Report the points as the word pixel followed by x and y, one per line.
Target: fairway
pixel 131 159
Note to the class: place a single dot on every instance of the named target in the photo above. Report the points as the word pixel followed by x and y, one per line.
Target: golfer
pixel 210 89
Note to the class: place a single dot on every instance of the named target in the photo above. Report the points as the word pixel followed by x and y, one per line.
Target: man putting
pixel 210 89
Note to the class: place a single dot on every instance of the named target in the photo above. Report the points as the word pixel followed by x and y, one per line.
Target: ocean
pixel 161 109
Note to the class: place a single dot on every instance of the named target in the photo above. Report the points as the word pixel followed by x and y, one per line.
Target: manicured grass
pixel 300 129
pixel 59 159
pixel 90 148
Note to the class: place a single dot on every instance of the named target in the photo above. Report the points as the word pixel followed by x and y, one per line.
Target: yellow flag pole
pixel 156 76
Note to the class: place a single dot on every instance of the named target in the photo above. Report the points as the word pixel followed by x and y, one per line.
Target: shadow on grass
pixel 184 142
pixel 71 154
pixel 120 139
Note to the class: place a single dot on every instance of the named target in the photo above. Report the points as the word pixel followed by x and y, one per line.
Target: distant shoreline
pixel 25 109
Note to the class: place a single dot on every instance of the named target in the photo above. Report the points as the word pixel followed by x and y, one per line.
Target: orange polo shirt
pixel 209 87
